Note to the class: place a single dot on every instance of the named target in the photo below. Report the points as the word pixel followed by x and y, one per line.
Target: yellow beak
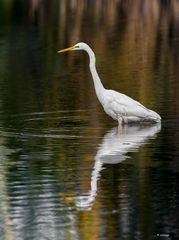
pixel 67 49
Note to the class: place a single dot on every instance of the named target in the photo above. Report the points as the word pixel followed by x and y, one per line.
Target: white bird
pixel 117 105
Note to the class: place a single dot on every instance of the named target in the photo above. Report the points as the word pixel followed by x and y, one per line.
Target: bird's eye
pixel 76 46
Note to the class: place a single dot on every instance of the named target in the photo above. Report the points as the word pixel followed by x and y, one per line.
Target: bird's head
pixel 78 46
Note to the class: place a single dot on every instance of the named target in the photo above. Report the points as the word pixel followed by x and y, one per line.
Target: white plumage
pixel 117 105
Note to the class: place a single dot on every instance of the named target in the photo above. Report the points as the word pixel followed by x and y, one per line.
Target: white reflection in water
pixel 115 146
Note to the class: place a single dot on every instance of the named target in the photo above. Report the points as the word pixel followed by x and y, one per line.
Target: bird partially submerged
pixel 117 105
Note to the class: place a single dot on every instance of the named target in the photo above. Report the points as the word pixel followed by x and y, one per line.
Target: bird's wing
pixel 124 105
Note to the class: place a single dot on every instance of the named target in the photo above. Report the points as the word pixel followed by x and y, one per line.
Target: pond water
pixel 66 170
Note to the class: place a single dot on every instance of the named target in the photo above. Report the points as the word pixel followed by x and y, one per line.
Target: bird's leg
pixel 120 120
pixel 120 123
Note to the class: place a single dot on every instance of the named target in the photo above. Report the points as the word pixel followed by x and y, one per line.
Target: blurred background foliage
pixel 136 43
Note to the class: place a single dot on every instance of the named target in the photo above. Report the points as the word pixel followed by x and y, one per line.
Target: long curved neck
pixel 97 82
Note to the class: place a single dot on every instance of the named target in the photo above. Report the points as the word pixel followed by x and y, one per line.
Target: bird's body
pixel 124 109
pixel 117 105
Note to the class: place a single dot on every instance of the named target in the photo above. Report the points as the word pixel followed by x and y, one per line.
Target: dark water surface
pixel 66 170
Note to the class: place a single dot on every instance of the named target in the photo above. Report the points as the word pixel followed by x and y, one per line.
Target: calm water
pixel 66 171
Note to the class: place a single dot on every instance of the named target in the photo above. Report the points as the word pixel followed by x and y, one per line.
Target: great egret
pixel 117 105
